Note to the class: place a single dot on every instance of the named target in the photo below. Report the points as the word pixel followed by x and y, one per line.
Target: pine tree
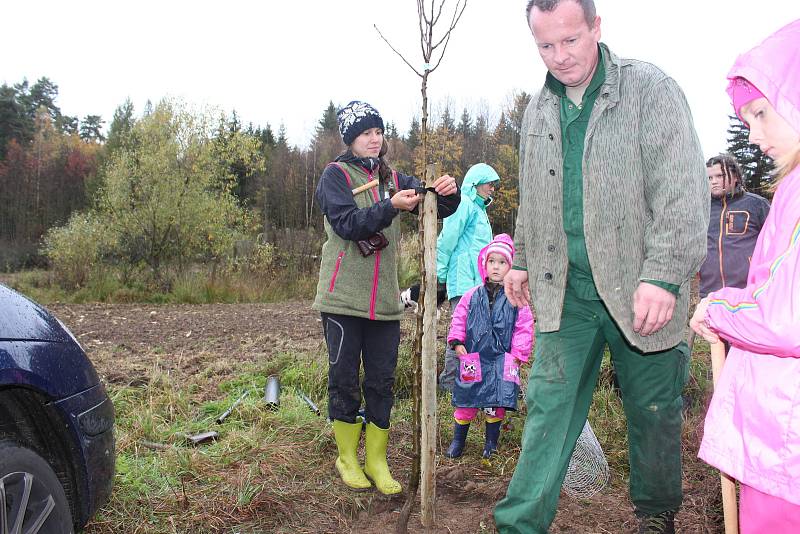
pixel 464 131
pixel 413 138
pixel 267 137
pixel 42 94
pixel 121 126
pixel 67 124
pixel 13 123
pixel 483 147
pixel 756 166
pixel 328 122
pixel 90 129
pixel 447 122
pixel 391 131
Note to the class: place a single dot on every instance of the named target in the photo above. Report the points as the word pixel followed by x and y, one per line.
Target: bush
pixel 166 203
pixel 75 250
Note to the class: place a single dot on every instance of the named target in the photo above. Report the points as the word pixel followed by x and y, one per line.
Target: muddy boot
pixel 492 436
pixel 663 523
pixel 375 466
pixel 456 447
pixel 347 437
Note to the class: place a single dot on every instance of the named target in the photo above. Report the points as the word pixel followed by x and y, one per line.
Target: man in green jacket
pixel 611 227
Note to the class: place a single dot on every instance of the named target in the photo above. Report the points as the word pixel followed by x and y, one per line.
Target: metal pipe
pixel 272 392
pixel 309 402
pixel 236 403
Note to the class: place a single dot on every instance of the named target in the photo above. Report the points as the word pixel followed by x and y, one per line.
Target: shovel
pixel 728 485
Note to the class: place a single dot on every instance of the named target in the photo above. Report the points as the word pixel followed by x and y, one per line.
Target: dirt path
pixel 125 341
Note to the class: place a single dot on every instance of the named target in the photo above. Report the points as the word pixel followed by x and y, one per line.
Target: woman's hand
pixel 445 185
pixel 698 322
pixel 405 200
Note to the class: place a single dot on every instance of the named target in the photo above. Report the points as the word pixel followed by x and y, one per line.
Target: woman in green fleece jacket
pixel 358 293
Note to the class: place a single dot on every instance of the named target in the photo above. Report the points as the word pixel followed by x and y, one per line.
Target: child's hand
pixel 698 322
pixel 461 350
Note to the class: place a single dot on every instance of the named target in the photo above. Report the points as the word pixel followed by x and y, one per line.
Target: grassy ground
pixel 270 471
pixel 188 288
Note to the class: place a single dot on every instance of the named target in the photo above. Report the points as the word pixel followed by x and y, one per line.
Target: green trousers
pixel 560 388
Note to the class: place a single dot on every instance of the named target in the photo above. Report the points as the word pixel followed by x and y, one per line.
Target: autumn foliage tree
pixel 166 202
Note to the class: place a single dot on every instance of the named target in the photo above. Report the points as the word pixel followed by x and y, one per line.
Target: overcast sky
pixel 282 62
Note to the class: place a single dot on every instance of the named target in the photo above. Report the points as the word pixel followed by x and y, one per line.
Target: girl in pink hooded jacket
pixel 752 430
pixel 490 338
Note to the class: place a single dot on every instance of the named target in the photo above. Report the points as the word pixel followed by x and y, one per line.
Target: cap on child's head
pixel 742 92
pixel 501 244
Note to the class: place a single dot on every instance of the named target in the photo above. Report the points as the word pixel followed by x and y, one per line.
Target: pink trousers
pixel 468 414
pixel 760 513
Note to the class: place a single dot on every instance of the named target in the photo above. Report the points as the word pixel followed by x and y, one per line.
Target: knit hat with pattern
pixel 356 117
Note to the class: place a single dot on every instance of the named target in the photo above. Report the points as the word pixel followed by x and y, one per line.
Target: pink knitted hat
pixel 742 92
pixel 501 244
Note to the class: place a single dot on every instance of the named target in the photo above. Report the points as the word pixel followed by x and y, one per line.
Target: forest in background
pixel 169 188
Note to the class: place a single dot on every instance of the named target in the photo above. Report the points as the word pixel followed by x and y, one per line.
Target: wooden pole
pixel 429 422
pixel 727 484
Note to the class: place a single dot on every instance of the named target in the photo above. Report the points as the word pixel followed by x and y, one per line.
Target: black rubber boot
pixel 663 523
pixel 492 437
pixel 456 447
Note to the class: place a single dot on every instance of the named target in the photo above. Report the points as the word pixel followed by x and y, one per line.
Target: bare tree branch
pixel 444 48
pixel 439 14
pixel 396 52
pixel 456 17
pixel 422 25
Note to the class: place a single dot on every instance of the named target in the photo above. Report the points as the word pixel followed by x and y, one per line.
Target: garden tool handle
pixel 727 484
pixel 365 187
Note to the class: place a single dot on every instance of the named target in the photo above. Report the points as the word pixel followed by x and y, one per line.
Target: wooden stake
pixel 428 416
pixel 728 485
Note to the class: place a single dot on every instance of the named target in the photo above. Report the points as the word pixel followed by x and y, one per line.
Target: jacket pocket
pixel 470 367
pixel 336 268
pixel 511 369
pixel 737 223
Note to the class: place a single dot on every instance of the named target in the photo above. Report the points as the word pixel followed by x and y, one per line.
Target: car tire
pixel 29 486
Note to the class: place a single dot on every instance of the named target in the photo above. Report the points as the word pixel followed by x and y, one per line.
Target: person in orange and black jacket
pixel 736 220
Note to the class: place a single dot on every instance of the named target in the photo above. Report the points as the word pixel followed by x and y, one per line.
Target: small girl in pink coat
pixel 491 338
pixel 752 430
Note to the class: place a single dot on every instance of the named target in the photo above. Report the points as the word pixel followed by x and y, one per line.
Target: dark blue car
pixel 56 424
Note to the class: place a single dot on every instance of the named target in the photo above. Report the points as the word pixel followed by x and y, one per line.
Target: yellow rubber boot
pixel 375 466
pixel 347 436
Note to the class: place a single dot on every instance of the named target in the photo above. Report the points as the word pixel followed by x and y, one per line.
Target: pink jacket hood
pixel 774 68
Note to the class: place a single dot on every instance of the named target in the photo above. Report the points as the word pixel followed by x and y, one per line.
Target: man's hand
pixel 698 322
pixel 652 308
pixel 445 185
pixel 516 287
pixel 405 200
